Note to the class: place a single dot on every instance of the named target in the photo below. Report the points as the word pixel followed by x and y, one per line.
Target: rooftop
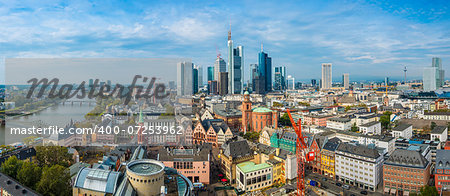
pixel 439 130
pixel 344 120
pixel 261 110
pixel 358 150
pixel 369 124
pixel 145 167
pixel 407 157
pixel 401 127
pixel 249 166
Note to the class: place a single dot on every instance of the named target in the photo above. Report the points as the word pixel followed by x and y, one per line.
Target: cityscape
pixel 259 111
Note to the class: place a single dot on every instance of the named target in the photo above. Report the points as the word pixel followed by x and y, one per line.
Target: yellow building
pixel 278 171
pixel 328 157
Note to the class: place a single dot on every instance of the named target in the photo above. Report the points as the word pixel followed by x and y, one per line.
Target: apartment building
pixel 358 165
pixel 402 131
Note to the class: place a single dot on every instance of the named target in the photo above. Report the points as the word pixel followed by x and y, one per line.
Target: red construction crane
pixel 302 150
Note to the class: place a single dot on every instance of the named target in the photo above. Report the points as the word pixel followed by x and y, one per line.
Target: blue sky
pixel 368 39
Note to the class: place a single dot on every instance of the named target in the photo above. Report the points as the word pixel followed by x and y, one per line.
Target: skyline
pixel 362 38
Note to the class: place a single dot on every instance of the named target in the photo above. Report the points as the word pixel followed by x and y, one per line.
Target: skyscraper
pixel 235 63
pixel 219 66
pixel 210 73
pixel 223 83
pixel 253 73
pixel 429 79
pixel 200 76
pixel 265 69
pixel 195 80
pixel 184 78
pixel 345 80
pixel 313 82
pixel 440 73
pixel 280 78
pixel 326 76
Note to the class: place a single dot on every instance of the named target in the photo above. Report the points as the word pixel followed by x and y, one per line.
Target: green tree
pixel 29 174
pixel 354 128
pixel 432 125
pixel 52 155
pixel 385 119
pixel 55 180
pixel 11 166
pixel 252 136
pixel 285 120
pixel 277 104
pixel 428 191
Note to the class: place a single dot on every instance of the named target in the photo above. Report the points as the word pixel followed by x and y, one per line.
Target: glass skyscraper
pixel 440 74
pixel 280 78
pixel 429 79
pixel 265 70
pixel 210 73
pixel 235 64
pixel 326 76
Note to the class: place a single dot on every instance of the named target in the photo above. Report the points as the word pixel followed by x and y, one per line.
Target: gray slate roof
pixel 407 158
pixel 438 129
pixel 358 150
pixel 401 127
pixel 236 149
pixel 442 159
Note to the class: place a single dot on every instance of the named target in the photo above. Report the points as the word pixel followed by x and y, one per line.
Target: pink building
pixel 194 163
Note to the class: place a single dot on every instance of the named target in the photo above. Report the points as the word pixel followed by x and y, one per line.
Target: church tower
pixel 246 112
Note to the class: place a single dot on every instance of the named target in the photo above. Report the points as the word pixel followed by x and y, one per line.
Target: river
pixel 59 115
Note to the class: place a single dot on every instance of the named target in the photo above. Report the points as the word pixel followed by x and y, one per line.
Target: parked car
pixel 324 187
pixel 364 192
pixel 324 179
pixel 346 187
pixel 338 184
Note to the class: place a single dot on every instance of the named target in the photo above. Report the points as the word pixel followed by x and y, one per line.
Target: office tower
pixel 91 83
pixel 386 81
pixel 265 69
pixel 195 80
pixel 210 73
pixel 253 73
pixel 219 66
pixel 298 85
pixel 200 76
pixel 109 83
pixel 280 78
pixel 345 80
pixel 172 85
pixel 313 82
pixel 291 82
pixel 440 73
pixel 212 87
pixel 223 83
pixel 235 64
pixel 184 78
pixel 326 76
pixel 429 79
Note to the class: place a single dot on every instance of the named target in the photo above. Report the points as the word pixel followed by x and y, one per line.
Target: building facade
pixel 327 79
pixel 358 165
pixel 253 177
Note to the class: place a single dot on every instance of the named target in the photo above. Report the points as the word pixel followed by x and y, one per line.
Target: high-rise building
pixel 326 76
pixel 219 66
pixel 280 78
pixel 210 73
pixel 253 74
pixel 195 80
pixel 212 87
pixel 200 76
pixel 265 69
pixel 429 79
pixel 313 82
pixel 440 73
pixel 235 64
pixel 223 83
pixel 345 80
pixel 184 78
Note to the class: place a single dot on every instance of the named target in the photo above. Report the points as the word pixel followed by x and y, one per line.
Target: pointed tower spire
pixel 229 33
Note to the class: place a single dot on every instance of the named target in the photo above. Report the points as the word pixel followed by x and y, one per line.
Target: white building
pixel 327 79
pixel 252 177
pixel 345 80
pixel 343 124
pixel 429 79
pixel 371 128
pixel 402 131
pixel 437 116
pixel 439 133
pixel 184 78
pixel 359 166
